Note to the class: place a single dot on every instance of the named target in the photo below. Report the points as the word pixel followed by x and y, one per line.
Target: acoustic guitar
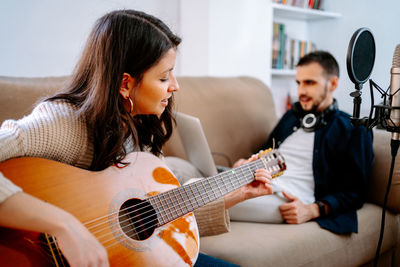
pixel 138 212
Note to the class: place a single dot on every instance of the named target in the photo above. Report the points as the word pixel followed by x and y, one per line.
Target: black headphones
pixel 312 120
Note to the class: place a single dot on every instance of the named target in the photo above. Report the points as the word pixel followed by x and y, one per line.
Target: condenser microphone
pixel 394 120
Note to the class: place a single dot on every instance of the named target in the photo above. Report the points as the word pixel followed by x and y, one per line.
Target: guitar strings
pixel 117 236
pixel 171 208
pixel 149 226
pixel 156 219
pixel 187 200
pixel 135 206
pixel 105 216
pixel 143 225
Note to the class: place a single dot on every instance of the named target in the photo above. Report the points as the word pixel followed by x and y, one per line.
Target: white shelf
pixel 297 13
pixel 283 72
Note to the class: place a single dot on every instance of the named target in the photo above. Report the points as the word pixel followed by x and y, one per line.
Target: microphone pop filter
pixel 360 56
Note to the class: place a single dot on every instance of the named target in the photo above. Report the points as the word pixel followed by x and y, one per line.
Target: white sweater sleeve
pixel 51 131
pixel 11 141
pixel 11 145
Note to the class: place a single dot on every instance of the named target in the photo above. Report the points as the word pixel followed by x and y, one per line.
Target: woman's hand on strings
pixel 259 187
pixel 241 162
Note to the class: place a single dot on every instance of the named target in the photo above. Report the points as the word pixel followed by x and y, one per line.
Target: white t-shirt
pixel 297 180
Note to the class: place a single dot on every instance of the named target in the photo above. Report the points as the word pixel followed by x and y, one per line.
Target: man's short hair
pixel 325 59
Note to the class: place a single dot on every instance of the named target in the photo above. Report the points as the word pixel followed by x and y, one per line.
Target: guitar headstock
pixel 273 161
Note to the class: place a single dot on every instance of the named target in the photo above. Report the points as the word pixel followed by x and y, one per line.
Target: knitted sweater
pixel 54 131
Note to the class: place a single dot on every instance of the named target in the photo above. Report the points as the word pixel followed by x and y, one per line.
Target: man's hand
pixel 296 212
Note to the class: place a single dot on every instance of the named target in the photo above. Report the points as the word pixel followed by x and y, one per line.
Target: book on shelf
pixel 277 35
pixel 310 4
pixel 287 51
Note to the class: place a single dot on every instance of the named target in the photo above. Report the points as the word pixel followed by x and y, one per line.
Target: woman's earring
pixel 130 105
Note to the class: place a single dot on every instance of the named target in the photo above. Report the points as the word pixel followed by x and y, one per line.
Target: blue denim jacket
pixel 342 161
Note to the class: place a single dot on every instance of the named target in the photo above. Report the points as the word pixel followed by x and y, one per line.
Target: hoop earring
pixel 130 105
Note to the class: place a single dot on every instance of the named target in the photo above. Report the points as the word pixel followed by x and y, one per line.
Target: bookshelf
pixel 298 24
pixel 290 17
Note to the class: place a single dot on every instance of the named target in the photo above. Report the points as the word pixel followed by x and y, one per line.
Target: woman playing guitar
pixel 118 100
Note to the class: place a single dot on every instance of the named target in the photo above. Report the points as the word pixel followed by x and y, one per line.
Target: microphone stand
pixel 355 119
pixel 382 115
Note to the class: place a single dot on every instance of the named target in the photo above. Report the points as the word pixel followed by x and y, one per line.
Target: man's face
pixel 314 87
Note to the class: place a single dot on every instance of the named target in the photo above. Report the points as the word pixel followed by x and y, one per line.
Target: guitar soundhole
pixel 137 219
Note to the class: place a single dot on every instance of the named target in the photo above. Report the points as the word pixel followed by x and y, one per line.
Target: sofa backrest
pixel 225 106
pixel 19 94
pixel 237 114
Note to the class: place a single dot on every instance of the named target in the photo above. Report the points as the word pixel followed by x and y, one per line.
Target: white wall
pixel 194 31
pixel 45 37
pixel 239 43
pixel 226 38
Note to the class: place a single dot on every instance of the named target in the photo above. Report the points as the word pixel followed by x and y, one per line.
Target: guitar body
pixel 103 202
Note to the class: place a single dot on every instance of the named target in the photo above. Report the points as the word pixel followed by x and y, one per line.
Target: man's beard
pixel 314 108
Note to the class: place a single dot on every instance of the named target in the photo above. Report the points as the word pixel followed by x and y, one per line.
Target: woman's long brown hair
pixel 121 41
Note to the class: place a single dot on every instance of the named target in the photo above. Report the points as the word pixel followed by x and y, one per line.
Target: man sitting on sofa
pixel 328 159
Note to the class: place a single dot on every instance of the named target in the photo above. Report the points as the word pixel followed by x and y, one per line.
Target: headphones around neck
pixel 312 120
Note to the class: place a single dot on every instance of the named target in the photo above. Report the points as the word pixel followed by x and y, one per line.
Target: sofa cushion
pixel 380 173
pixel 258 244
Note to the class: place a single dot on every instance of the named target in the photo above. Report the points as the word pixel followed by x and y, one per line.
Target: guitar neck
pixel 175 203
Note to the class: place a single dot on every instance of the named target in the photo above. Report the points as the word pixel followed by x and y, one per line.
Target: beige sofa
pixel 237 114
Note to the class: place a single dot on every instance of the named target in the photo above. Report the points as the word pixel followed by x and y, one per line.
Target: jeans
pixel 204 260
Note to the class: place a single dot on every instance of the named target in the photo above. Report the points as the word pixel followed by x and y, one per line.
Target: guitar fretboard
pixel 175 203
